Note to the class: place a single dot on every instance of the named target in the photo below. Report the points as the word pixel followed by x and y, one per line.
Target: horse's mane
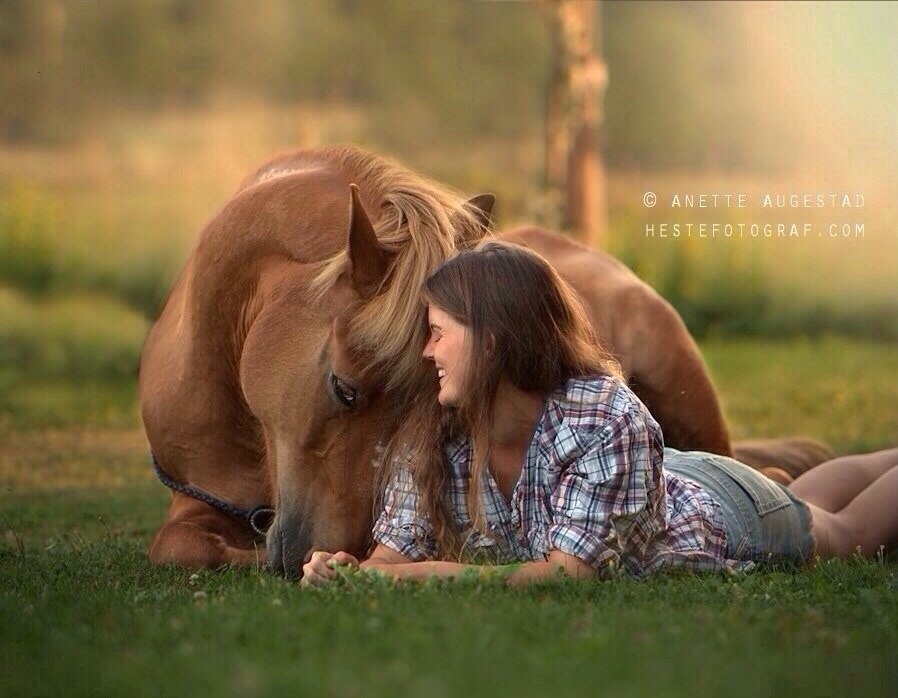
pixel 420 223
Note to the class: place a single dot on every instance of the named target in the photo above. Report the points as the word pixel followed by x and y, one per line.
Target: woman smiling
pixel 536 451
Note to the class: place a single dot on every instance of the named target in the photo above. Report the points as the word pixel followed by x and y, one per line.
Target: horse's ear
pixel 367 261
pixel 482 207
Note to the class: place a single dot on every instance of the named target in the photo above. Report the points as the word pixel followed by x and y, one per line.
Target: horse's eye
pixel 345 393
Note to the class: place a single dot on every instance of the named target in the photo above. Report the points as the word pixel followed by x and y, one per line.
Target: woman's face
pixel 447 346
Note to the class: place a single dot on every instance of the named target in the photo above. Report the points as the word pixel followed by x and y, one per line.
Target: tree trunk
pixel 575 176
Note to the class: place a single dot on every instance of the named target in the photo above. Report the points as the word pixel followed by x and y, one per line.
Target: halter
pixel 259 517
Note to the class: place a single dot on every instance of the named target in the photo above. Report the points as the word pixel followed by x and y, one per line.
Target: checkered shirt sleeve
pixel 611 497
pixel 400 526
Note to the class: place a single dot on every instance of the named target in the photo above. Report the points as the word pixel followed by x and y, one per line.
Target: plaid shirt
pixel 592 486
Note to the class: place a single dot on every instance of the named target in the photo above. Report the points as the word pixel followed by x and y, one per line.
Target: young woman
pixel 535 450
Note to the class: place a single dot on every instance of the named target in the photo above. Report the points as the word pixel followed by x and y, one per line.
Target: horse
pixel 276 363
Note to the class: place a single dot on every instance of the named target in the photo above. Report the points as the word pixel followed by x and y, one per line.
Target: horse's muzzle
pixel 288 544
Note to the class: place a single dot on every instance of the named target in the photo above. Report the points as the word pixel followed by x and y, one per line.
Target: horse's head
pixel 321 396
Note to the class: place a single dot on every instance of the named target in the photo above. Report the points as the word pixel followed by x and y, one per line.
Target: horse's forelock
pixel 421 223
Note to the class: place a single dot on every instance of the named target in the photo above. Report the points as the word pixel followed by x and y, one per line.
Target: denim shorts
pixel 764 521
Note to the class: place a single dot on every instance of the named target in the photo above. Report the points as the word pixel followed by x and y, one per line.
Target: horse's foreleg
pixel 198 536
pixel 186 544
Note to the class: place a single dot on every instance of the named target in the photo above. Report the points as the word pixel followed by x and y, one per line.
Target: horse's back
pixel 568 254
pixel 620 305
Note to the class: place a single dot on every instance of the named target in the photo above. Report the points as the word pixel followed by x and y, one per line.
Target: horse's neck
pixel 246 250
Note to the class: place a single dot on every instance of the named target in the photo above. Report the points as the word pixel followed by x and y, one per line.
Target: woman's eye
pixel 345 393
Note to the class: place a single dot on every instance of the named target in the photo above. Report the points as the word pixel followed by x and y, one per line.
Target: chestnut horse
pixel 269 376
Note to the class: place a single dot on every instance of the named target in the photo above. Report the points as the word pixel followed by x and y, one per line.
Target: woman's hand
pixel 321 568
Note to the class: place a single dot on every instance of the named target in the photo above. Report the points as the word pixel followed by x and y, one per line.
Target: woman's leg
pixel 831 486
pixel 868 522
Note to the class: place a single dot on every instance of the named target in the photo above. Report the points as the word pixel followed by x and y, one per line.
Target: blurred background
pixel 125 124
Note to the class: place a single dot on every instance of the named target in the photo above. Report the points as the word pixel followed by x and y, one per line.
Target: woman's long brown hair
pixel 511 300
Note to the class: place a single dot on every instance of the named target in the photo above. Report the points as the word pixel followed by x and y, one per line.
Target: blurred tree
pixel 31 51
pixel 694 84
pixel 574 170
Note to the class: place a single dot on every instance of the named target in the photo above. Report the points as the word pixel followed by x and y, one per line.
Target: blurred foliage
pixel 33 259
pixel 461 68
pixel 721 292
pixel 723 288
pixel 116 146
pixel 684 86
pixel 718 287
pixel 78 337
pixel 27 254
pixel 67 312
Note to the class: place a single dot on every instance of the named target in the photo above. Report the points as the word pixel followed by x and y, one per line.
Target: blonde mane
pixel 419 223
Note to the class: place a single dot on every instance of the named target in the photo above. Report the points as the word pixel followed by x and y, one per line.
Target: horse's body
pixel 291 295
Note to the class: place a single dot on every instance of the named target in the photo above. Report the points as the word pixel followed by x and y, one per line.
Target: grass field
pixel 85 614
pixel 95 619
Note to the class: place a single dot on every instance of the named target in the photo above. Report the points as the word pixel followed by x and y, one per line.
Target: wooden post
pixel 575 175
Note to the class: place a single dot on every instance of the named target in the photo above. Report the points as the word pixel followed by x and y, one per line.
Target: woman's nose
pixel 428 352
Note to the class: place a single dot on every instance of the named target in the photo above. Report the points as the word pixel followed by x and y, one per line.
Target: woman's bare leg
pixel 832 486
pixel 868 522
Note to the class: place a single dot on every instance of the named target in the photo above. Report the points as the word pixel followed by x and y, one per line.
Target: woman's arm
pixel 558 565
pixel 321 568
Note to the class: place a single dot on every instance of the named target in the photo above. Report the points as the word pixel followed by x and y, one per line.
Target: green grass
pixel 841 391
pixel 77 337
pixel 29 404
pixel 94 618
pixel 86 614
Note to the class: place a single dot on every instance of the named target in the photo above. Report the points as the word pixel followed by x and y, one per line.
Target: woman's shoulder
pixel 591 402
